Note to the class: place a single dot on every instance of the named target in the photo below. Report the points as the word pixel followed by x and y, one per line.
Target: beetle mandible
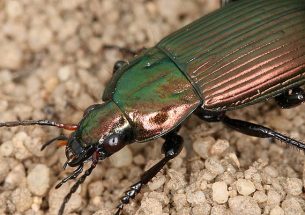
pixel 241 54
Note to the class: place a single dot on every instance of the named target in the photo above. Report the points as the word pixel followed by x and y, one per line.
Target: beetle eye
pixel 113 143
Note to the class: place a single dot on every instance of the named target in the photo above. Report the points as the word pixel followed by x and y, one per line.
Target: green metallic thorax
pixel 153 93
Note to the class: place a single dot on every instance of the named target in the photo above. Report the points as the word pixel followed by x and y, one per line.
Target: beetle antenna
pixel 71 127
pixel 81 180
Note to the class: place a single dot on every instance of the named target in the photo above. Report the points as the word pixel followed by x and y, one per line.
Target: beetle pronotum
pixel 244 53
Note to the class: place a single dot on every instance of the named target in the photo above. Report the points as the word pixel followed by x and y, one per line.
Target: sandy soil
pixel 53 65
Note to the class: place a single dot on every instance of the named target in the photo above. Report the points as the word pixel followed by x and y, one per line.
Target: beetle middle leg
pixel 171 148
pixel 291 98
pixel 248 128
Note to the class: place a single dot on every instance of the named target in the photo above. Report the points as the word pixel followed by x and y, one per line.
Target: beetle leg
pixel 291 98
pixel 223 3
pixel 118 65
pixel 124 50
pixel 247 127
pixel 74 175
pixel 95 159
pixel 171 148
pixel 260 131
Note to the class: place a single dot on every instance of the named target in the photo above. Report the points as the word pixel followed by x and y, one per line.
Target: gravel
pixel 53 65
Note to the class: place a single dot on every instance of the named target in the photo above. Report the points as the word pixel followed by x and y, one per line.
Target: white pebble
pixel 292 207
pixel 16 176
pixel 273 198
pixel 38 179
pixel 39 37
pixel 11 55
pixel 195 198
pixel 6 148
pixel 157 182
pixel 19 141
pixel 56 197
pixel 64 73
pixel 219 147
pixel 14 8
pixel 214 166
pixel 293 186
pixel 202 146
pixel 260 196
pixel 220 192
pixel 4 169
pixel 245 187
pixel 244 205
pixel 22 199
pixel 277 210
pixel 122 158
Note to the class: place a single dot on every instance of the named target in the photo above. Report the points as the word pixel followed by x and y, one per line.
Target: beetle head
pixel 104 128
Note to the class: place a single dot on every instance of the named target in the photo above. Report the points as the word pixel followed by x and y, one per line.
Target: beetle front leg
pixel 291 98
pixel 171 148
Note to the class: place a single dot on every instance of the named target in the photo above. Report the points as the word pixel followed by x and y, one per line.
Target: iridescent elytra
pixel 246 52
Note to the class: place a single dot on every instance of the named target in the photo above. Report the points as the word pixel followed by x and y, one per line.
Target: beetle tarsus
pixel 291 98
pixel 74 175
pixel 171 148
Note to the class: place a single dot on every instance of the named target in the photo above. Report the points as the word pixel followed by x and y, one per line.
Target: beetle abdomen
pixel 246 52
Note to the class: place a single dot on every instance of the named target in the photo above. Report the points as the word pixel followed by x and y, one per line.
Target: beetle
pixel 247 52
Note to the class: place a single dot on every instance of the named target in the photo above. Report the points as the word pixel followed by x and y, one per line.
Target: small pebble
pixel 22 199
pixel 4 169
pixel 277 210
pixel 245 187
pixel 219 210
pixel 157 182
pixel 96 188
pixel 195 198
pixel 273 198
pixel 122 158
pixel 244 205
pixel 214 166
pixel 294 186
pixel 219 147
pixel 202 146
pixel 151 206
pixel 11 55
pixel 220 192
pixel 260 196
pixel 38 179
pixel 103 212
pixel 6 148
pixel 292 207
pixel 16 176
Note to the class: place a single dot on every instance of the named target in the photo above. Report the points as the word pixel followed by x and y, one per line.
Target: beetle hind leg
pixel 171 148
pixel 260 131
pixel 248 128
pixel 291 98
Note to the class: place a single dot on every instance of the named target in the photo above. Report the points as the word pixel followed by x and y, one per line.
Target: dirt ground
pixel 53 65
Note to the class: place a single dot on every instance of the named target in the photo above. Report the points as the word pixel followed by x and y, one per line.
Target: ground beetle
pixel 247 52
